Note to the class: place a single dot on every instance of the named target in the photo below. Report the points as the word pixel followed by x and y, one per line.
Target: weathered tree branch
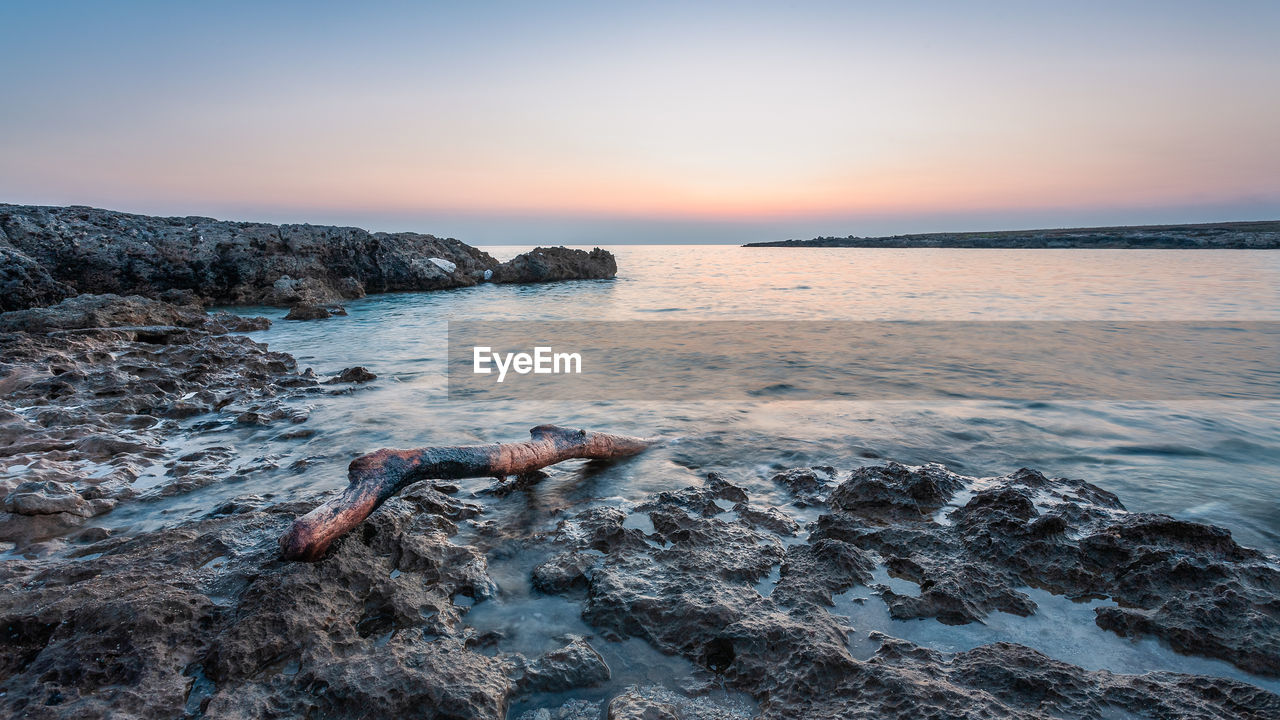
pixel 377 476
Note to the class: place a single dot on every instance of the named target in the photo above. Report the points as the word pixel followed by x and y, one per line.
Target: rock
pixel 1187 583
pixel 152 629
pixel 632 705
pixel 45 498
pixel 96 376
pixel 563 572
pixel 357 374
pixel 689 589
pixel 576 665
pixel 50 253
pixel 308 312
pixel 443 264
pixel 25 283
pixel 223 322
pixel 557 263
pixel 654 702
pixel 102 311
pixel 808 486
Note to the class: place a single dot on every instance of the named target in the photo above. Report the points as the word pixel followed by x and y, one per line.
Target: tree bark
pixel 377 476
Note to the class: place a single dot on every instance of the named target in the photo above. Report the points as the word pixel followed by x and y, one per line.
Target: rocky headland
pixel 1234 235
pixel 48 254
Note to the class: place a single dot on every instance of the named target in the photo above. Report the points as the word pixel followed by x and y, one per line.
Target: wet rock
pixel 809 486
pixel 576 665
pixel 689 589
pixel 45 498
pixel 313 312
pixel 1187 583
pixel 203 618
pixel 357 374
pixel 655 701
pixel 86 387
pixel 102 311
pixel 632 705
pixel 893 492
pixel 556 263
pixel 564 572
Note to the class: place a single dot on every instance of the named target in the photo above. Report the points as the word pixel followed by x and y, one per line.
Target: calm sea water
pixel 1216 461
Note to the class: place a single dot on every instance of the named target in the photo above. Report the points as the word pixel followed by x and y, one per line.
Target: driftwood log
pixel 377 476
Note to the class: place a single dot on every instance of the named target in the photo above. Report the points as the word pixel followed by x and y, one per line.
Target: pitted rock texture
pixel 689 587
pixel 50 253
pixel 1187 583
pixel 204 620
pixel 91 388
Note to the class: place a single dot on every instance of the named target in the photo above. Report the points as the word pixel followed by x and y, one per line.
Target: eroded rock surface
pixel 691 587
pixel 91 388
pixel 205 620
pixel 51 253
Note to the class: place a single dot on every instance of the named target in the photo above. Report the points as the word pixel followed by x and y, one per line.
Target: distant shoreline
pixel 1263 235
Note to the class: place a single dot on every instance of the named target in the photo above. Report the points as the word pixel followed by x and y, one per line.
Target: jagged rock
pixel 102 311
pixel 96 374
pixel 563 572
pixel 25 283
pixel 576 665
pixel 809 486
pixel 1187 583
pixel 48 253
pixel 308 312
pixel 556 263
pixel 357 374
pixel 689 588
pixel 156 628
pixel 45 498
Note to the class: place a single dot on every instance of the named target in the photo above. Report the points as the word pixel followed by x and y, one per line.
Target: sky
pixel 579 123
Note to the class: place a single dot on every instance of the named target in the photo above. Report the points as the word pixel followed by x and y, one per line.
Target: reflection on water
pixel 1211 461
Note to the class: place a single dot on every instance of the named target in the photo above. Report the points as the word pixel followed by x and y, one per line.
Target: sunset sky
pixel 647 121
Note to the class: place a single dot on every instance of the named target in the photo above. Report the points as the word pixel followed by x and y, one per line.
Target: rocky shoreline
pixel 48 254
pixel 204 619
pixel 759 600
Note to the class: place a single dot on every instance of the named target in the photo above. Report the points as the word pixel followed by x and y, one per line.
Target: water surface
pixel 1211 460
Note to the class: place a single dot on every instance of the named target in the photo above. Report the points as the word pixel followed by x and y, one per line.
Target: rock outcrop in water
pixel 51 253
pixel 557 263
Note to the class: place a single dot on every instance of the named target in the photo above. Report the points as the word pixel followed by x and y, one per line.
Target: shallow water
pixel 1214 461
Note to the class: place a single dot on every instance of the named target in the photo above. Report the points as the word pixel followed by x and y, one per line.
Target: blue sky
pixel 680 122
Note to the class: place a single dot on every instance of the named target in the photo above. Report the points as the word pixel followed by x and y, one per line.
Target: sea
pixel 1207 458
